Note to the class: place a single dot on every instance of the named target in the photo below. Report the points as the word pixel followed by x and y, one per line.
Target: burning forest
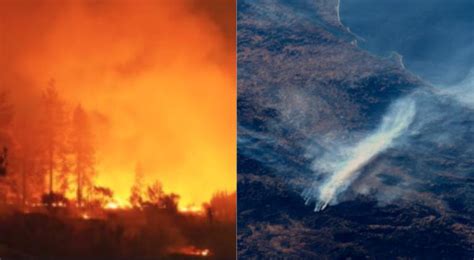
pixel 106 150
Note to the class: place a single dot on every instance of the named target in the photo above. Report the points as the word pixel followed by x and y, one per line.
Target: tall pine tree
pixel 52 129
pixel 83 152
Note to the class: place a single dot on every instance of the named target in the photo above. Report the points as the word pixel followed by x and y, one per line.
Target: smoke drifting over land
pixel 431 122
pixel 463 91
pixel 346 167
pixel 421 144
pixel 159 75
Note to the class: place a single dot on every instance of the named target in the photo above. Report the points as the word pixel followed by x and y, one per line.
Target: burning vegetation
pixel 50 205
pixel 149 231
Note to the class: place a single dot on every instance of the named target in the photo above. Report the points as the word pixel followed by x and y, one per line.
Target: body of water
pixel 435 37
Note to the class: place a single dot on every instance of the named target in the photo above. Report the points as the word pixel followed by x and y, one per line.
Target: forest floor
pixel 147 233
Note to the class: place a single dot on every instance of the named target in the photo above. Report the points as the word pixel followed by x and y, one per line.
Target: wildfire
pixel 111 205
pixel 54 205
pixel 190 209
pixel 59 205
pixel 205 252
pixel 194 251
pixel 116 204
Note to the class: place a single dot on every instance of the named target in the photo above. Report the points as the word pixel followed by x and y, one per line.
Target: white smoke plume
pixel 463 92
pixel 344 169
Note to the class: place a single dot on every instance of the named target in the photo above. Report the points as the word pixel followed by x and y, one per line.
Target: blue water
pixel 435 37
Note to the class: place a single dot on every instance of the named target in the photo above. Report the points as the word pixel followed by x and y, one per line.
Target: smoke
pixel 427 141
pixel 426 131
pixel 343 168
pixel 462 92
pixel 160 73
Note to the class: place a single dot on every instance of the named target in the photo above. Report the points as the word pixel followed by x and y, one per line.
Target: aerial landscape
pixel 355 129
pixel 107 151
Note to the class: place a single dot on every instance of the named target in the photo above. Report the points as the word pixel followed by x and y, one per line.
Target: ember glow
pixel 112 205
pixel 158 79
pixel 193 251
pixel 191 209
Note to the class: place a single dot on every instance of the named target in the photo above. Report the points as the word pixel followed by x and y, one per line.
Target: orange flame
pixel 193 251
pixel 173 108
pixel 117 204
pixel 192 209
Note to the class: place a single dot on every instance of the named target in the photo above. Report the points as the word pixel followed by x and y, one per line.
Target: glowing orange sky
pixel 161 72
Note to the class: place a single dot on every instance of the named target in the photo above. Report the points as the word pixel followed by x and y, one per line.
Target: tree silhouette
pixel 3 162
pixel 52 129
pixel 29 155
pixel 155 193
pixel 157 198
pixel 83 151
pixel 223 206
pixel 136 191
pixel 6 115
pixel 101 196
